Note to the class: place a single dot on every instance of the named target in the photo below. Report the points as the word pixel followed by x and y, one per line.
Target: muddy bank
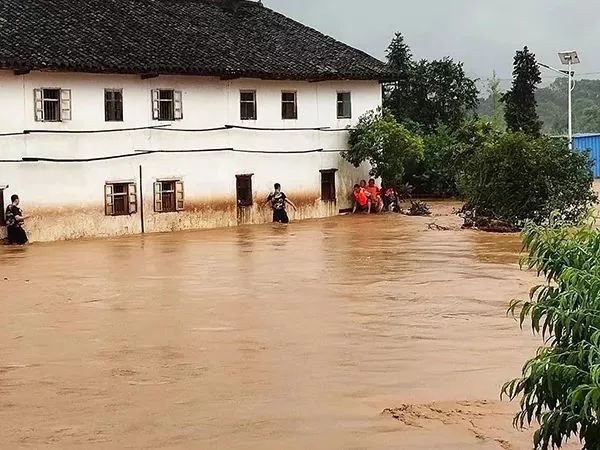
pixel 265 337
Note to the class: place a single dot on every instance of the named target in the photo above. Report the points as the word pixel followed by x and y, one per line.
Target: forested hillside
pixel 552 106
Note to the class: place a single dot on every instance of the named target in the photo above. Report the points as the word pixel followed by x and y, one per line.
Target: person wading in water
pixel 14 223
pixel 278 201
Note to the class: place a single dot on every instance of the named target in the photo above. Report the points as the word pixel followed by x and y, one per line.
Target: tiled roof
pixel 188 37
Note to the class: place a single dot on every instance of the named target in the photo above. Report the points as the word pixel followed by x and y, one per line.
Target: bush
pixel 516 178
pixel 446 152
pixel 385 144
pixel 560 386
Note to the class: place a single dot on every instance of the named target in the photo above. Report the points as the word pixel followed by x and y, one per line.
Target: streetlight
pixel 568 59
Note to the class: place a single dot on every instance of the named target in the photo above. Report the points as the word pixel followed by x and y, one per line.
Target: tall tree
pixel 520 103
pixel 495 98
pixel 397 94
pixel 442 94
pixel 426 94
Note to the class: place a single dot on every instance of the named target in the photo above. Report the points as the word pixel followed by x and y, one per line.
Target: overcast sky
pixel 484 34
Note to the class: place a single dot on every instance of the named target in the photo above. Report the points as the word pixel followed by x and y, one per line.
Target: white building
pixel 121 116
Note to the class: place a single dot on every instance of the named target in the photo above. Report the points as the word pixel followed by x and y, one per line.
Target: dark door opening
pixel 328 192
pixel 243 188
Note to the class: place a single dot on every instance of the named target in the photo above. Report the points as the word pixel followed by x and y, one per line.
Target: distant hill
pixel 552 106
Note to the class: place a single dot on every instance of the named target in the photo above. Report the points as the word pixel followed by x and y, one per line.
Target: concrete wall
pixel 66 199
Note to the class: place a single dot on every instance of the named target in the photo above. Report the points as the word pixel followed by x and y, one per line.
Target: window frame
pixel 114 117
pixel 244 201
pixel 341 103
pixel 63 104
pixel 332 195
pixel 176 193
pixel 246 102
pixel 176 104
pixel 286 102
pixel 130 195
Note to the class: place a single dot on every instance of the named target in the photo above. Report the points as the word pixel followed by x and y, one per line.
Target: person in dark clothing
pixel 14 223
pixel 278 201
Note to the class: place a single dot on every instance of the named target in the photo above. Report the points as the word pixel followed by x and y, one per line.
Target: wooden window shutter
pixel 65 104
pixel 38 104
pixel 132 191
pixel 158 197
pixel 178 105
pixel 179 195
pixel 155 104
pixel 109 208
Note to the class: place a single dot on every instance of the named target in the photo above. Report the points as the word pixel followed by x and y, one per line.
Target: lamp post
pixel 568 59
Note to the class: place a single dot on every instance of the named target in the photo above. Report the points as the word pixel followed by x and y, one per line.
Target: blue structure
pixel 589 142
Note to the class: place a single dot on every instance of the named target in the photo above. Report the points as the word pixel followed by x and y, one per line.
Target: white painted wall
pixel 207 103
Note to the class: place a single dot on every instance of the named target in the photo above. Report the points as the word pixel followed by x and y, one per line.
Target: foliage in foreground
pixel 516 178
pixel 385 144
pixel 560 386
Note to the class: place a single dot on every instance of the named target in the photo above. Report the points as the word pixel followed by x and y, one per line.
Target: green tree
pixel 515 178
pixel 560 386
pixel 495 96
pixel 426 94
pixel 397 95
pixel 446 154
pixel 386 145
pixel 442 94
pixel 520 103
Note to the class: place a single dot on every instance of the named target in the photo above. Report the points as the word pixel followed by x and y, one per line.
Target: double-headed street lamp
pixel 568 59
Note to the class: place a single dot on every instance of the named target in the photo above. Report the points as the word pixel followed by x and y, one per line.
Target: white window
pixel 344 105
pixel 120 199
pixel 168 196
pixel 167 104
pixel 52 104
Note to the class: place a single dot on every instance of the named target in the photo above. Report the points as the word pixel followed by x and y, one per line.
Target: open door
pixel 245 201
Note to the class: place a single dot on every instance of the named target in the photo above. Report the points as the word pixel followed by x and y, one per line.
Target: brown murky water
pixel 263 338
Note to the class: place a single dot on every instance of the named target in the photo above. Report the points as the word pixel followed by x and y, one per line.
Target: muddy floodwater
pixel 346 333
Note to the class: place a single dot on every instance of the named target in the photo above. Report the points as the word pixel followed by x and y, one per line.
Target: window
pixel 113 105
pixel 344 105
pixel 168 196
pixel 289 105
pixel 248 105
pixel 52 105
pixel 2 210
pixel 328 193
pixel 244 190
pixel 167 105
pixel 120 199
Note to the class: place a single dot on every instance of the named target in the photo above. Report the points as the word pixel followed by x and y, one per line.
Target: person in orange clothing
pixel 374 194
pixel 361 200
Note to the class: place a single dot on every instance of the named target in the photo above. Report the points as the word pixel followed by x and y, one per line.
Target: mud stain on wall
pixel 89 221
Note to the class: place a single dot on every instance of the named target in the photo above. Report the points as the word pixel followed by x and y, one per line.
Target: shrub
pixel 446 152
pixel 385 144
pixel 560 386
pixel 518 178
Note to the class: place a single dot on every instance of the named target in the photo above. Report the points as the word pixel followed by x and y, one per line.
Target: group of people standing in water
pixel 369 198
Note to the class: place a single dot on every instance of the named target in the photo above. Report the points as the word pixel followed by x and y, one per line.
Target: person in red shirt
pixel 361 200
pixel 374 194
